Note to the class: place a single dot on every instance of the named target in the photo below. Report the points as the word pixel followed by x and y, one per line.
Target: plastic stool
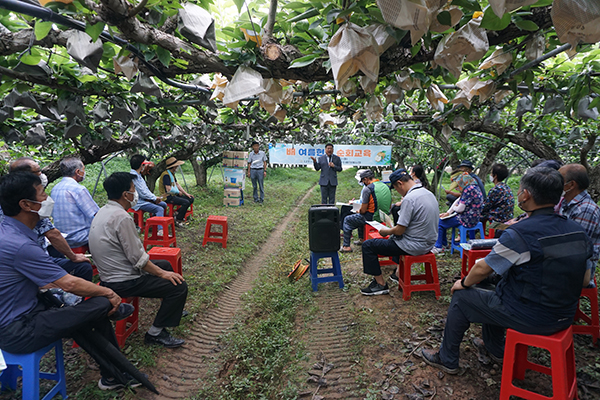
pixel 463 236
pixel 469 257
pixel 562 355
pixel 491 234
pixel 121 329
pixel 83 250
pixel 171 254
pixel 31 372
pixel 218 237
pixel 171 210
pixel 167 239
pixel 593 320
pixel 336 269
pixel 430 276
pixel 138 217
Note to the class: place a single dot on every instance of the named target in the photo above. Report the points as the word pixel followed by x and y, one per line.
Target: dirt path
pixel 180 371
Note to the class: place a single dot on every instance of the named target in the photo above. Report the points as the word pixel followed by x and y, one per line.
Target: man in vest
pixel 375 196
pixel 542 260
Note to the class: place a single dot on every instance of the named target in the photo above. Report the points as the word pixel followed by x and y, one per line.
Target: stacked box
pixel 235 155
pixel 231 202
pixel 240 163
pixel 233 193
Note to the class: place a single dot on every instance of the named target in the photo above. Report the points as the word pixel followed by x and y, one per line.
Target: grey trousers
pixel 484 307
pixel 328 194
pixel 258 176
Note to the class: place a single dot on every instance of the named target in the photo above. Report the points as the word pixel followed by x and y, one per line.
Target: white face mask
pixel 46 209
pixel 136 197
pixel 491 179
pixel 82 176
pixel 44 180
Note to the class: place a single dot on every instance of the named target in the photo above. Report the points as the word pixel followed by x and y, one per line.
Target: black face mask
pixel 519 203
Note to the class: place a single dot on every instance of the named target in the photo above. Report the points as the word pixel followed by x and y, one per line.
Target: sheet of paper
pixel 377 225
pixel 449 216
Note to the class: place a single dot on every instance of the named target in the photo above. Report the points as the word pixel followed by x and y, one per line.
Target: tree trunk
pixel 486 165
pixel 199 171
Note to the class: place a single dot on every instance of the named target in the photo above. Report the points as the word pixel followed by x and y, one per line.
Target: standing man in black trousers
pixel 329 165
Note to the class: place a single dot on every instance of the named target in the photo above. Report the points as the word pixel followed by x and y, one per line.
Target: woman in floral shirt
pixel 500 203
pixel 468 213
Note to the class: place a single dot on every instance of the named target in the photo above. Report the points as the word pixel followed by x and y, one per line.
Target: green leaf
pixel 42 28
pixel 239 4
pixel 491 21
pixel 594 103
pixel 304 61
pixel 31 59
pixel 94 30
pixel 87 78
pixel 164 56
pixel 415 49
pixel 542 3
pixel 313 12
pixel 471 5
pixel 527 25
pixel 444 18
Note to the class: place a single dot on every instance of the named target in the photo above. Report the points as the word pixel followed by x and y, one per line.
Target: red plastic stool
pixel 372 233
pixel 170 254
pixel 430 276
pixel 173 208
pixel 593 320
pixel 491 234
pixel 83 250
pixel 469 257
pixel 121 329
pixel 219 237
pixel 560 346
pixel 167 239
pixel 138 217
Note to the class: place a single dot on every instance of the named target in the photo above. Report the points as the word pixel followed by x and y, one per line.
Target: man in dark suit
pixel 329 165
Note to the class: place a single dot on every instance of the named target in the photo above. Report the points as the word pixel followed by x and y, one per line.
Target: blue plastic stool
pixel 463 236
pixel 31 373
pixel 336 270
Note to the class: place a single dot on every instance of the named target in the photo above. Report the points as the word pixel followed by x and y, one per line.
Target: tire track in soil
pixel 180 370
pixel 330 340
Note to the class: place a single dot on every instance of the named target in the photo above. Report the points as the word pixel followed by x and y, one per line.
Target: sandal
pixel 344 250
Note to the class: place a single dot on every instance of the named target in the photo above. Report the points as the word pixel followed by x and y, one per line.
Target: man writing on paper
pixel 414 234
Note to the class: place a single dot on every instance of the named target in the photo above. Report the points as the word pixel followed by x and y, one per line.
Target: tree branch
pixel 268 35
pixel 591 141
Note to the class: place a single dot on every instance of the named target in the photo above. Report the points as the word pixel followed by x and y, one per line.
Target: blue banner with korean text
pixel 351 155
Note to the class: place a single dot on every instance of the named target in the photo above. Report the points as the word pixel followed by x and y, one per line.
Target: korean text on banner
pixel 351 155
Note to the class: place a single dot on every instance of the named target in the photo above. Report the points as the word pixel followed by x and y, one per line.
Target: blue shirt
pixel 44 225
pixel 24 267
pixel 74 210
pixel 145 195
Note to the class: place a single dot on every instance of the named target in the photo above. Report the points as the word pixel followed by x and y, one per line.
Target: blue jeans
pixel 355 221
pixel 258 176
pixel 445 224
pixel 156 209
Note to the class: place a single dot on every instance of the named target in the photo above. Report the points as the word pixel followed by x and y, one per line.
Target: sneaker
pixel 432 358
pixel 124 311
pixel 164 339
pixel 180 224
pixel 375 289
pixel 437 250
pixel 114 384
pixel 394 278
pixel 483 355
pixel 358 242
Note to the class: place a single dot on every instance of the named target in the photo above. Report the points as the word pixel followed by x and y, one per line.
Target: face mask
pixel 82 176
pixel 136 197
pixel 45 210
pixel 491 179
pixel 520 203
pixel 44 179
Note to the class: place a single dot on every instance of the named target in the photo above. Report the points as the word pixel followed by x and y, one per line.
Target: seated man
pixel 374 196
pixel 542 260
pixel 577 205
pixel 26 324
pixel 50 238
pixel 125 267
pixel 468 213
pixel 147 200
pixel 414 233
pixel 74 207
pixel 169 188
pixel 500 203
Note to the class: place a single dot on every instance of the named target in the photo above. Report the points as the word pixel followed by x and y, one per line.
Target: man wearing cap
pixel 257 171
pixel 329 164
pixel 169 187
pixel 147 200
pixel 464 179
pixel 375 196
pixel 414 234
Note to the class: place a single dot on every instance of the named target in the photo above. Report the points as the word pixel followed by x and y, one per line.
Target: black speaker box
pixel 323 228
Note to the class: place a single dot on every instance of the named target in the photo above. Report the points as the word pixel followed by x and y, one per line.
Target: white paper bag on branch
pixel 246 82
pixel 436 98
pixel 461 98
pixel 469 43
pixel 325 102
pixel 576 21
pixel 384 40
pixel 535 47
pixel 351 49
pixel 407 82
pixel 218 85
pixel 86 52
pixel 287 95
pixel 474 87
pixel 126 65
pixel 498 59
pixel 348 89
pixel 326 119
pixel 411 15
pixel 392 93
pixel 374 109
pixel 367 84
pixel 500 7
pixel 280 113
pixel 271 96
pixel 198 26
